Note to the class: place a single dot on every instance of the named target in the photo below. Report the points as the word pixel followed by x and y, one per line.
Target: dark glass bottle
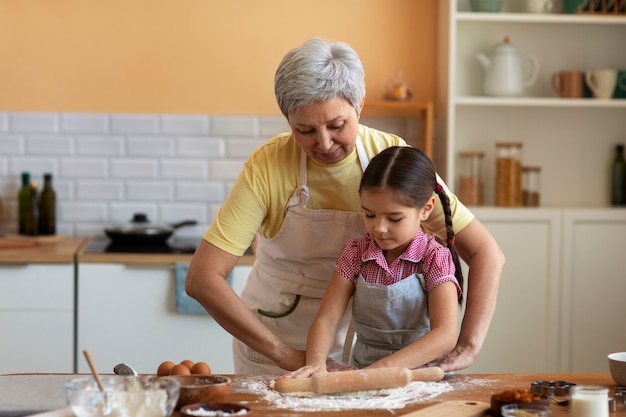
pixel 27 207
pixel 618 177
pixel 47 207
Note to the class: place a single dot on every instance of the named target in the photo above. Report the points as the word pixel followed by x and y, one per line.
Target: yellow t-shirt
pixel 257 200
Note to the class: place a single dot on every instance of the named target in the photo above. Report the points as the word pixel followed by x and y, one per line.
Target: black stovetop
pixel 102 244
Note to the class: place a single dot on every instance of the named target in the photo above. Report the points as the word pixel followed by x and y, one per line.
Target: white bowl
pixel 123 396
pixel 617 366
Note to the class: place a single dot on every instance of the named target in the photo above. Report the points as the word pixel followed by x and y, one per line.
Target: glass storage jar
pixel 531 196
pixel 470 190
pixel 508 192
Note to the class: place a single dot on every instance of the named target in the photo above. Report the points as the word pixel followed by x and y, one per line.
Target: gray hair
pixel 319 71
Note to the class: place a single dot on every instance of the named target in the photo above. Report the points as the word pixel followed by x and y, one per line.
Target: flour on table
pixel 393 398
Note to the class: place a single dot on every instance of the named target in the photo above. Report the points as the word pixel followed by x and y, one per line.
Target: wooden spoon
pixel 93 369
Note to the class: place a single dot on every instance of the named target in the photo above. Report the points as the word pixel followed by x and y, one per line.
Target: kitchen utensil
pixel 141 231
pixel 557 391
pixel 201 388
pixel 452 409
pixel 617 367
pixel 144 395
pixel 601 81
pixel 124 369
pixel 504 70
pixel 528 410
pixel 358 380
pixel 92 366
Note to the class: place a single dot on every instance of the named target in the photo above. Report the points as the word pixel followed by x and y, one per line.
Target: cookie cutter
pixel 557 391
pixel 620 396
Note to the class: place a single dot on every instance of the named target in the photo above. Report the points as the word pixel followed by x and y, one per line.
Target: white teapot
pixel 504 71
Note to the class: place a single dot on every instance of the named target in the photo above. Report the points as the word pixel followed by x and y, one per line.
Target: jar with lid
pixel 530 186
pixel 470 190
pixel 508 190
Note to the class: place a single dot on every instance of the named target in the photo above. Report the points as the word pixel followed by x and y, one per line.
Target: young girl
pixel 406 287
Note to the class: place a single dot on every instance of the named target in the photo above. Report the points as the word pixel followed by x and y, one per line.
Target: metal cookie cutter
pixel 620 397
pixel 557 391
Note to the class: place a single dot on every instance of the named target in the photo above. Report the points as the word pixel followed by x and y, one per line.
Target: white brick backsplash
pixel 107 167
pixel 209 192
pixel 134 124
pixel 35 165
pixel 242 148
pixel 234 126
pixel 149 190
pixel 201 147
pixel 12 145
pixel 74 211
pixel 101 145
pixel 149 146
pixel 4 122
pixel 84 167
pixel 270 126
pixel 184 169
pixel 33 122
pixel 184 125
pixel 225 169
pixel 4 171
pixel 84 123
pixel 104 190
pixel 134 168
pixel 49 145
pixel 177 212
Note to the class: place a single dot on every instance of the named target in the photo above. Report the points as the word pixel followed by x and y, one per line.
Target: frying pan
pixel 141 231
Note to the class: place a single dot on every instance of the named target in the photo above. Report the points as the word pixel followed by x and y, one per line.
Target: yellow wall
pixel 195 56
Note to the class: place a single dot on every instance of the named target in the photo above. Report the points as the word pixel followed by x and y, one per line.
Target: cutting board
pixel 452 409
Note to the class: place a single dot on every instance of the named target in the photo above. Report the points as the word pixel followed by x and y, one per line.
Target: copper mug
pixel 568 84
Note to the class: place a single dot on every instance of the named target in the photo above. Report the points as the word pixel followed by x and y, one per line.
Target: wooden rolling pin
pixel 358 380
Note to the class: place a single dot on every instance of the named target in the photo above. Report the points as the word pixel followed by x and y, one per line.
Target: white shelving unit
pixel 571 139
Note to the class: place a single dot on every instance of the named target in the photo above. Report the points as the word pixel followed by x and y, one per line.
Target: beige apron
pixel 388 317
pixel 293 270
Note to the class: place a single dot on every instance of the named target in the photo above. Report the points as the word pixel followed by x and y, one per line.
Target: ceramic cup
pixel 568 84
pixel 620 85
pixel 538 6
pixel 601 81
pixel 571 6
pixel 488 6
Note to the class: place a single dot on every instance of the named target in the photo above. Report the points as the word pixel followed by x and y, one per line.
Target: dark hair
pixel 411 174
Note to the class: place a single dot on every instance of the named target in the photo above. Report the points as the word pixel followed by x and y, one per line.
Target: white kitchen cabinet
pixel 594 286
pixel 570 139
pixel 126 313
pixel 523 336
pixel 36 317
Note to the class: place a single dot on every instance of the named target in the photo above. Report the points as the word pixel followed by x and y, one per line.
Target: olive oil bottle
pixel 27 207
pixel 47 207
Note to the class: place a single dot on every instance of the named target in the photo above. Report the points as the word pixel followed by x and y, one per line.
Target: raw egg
pixel 200 368
pixel 164 368
pixel 180 369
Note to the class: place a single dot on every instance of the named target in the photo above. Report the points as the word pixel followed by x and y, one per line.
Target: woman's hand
pixel 334 366
pixel 305 372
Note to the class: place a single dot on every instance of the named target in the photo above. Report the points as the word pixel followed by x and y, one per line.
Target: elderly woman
pixel 299 194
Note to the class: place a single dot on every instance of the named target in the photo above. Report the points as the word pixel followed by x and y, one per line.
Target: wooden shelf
pixel 424 110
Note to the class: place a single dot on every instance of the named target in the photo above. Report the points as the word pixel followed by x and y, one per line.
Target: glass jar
pixel 508 192
pixel 470 189
pixel 589 401
pixel 531 195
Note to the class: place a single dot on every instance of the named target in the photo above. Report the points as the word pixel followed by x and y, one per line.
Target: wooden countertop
pixel 58 250
pixel 143 258
pixel 36 392
pixel 467 387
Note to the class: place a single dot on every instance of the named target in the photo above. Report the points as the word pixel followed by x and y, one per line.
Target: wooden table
pixel 474 387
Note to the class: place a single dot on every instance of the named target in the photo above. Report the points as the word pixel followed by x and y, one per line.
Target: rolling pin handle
pixel 286 385
pixel 431 374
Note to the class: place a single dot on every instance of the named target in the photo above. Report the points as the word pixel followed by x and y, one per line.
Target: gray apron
pixel 388 317
pixel 293 270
